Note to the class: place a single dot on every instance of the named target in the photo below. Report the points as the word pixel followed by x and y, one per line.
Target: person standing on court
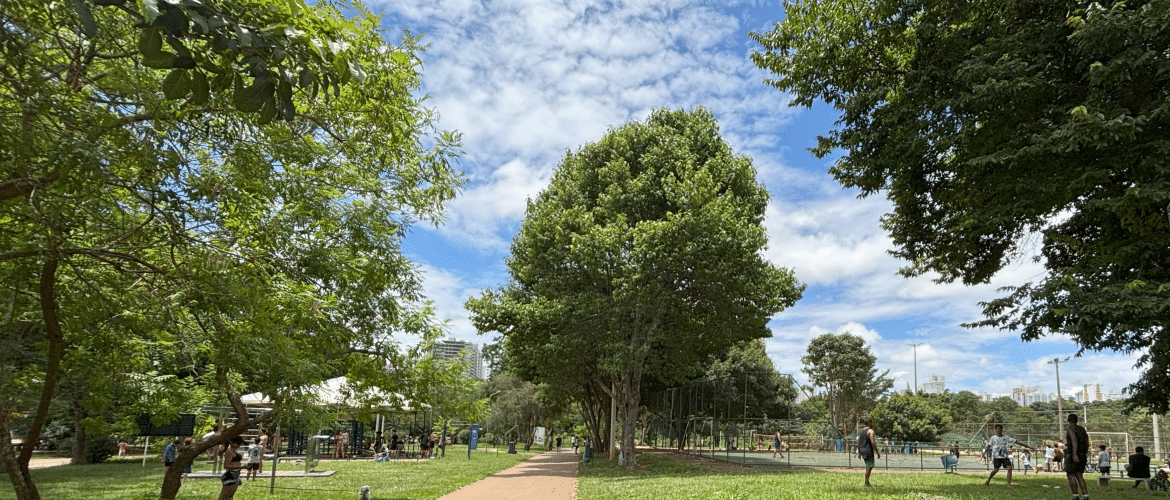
pixel 1078 455
pixel 1103 461
pixel 999 444
pixel 867 447
pixel 776 444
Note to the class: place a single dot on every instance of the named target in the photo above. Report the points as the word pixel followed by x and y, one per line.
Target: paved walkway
pixel 548 476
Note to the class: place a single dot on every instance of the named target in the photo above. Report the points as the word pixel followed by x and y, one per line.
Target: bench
pixel 1104 480
pixel 949 463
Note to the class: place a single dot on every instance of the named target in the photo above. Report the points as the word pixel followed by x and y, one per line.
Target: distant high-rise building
pixel 1091 393
pixel 457 349
pixel 985 397
pixel 936 384
pixel 1025 396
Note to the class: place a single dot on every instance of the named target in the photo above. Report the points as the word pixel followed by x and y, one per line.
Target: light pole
pixel 915 346
pixel 1059 397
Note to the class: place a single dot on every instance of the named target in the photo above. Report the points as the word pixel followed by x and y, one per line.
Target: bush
pixel 99 448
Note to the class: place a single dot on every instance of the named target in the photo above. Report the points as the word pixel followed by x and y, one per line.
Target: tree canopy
pixel 214 191
pixel 643 255
pixel 844 367
pixel 1001 131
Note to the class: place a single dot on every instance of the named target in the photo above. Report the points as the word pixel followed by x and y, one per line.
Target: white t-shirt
pixel 1049 453
pixel 1103 459
pixel 254 452
pixel 999 446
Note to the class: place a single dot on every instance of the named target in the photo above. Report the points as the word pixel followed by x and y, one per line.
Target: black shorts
pixel 255 466
pixel 1074 467
pixel 167 463
pixel 1002 463
pixel 1104 471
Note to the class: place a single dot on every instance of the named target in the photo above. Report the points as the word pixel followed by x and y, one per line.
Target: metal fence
pixel 726 419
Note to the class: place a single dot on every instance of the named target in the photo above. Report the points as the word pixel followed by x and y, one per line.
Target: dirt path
pixel 551 476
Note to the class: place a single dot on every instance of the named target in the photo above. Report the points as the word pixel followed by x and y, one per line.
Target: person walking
pixel 999 444
pixel 231 469
pixel 777 443
pixel 867 447
pixel 187 442
pixel 558 444
pixel 1078 456
pixel 1049 453
pixel 576 444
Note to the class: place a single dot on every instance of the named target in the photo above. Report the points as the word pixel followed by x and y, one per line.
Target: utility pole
pixel 915 346
pixel 1059 396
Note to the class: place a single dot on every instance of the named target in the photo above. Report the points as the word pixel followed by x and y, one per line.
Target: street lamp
pixel 915 346
pixel 1059 397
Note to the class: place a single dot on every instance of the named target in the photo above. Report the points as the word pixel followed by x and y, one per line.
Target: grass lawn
pixel 666 479
pixel 422 480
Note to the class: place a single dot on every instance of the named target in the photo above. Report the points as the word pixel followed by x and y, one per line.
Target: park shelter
pixel 338 394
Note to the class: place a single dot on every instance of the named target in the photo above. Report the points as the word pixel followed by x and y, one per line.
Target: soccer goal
pixel 1119 441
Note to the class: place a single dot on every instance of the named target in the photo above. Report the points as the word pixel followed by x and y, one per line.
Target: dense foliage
pixel 845 369
pixel 641 257
pixel 204 195
pixel 1002 131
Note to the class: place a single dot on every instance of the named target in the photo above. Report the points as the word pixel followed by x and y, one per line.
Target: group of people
pixel 1073 457
pixel 396 446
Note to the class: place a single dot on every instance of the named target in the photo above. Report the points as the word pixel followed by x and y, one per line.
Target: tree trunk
pixel 629 395
pixel 22 482
pixel 172 480
pixel 79 436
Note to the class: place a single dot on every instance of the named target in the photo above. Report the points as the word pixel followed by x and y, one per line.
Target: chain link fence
pixel 728 419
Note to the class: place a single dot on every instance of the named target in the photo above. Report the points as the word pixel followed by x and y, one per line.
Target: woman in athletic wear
pixel 232 467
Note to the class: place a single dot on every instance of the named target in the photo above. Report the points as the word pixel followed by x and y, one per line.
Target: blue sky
pixel 526 80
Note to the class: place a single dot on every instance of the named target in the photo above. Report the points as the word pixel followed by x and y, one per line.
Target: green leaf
pixel 162 60
pixel 177 84
pixel 200 89
pixel 250 99
pixel 358 73
pixel 85 14
pixel 341 68
pixel 174 21
pixel 267 113
pixel 288 110
pixel 149 10
pixel 150 41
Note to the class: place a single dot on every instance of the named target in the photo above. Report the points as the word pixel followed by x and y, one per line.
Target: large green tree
pixel 845 369
pixel 229 180
pixel 1002 131
pixel 910 417
pixel 645 246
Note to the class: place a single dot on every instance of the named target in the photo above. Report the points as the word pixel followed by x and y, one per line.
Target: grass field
pixel 402 480
pixel 667 479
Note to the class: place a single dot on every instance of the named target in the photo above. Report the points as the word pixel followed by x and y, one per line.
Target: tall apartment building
pixel 456 349
pixel 936 384
pixel 1091 393
pixel 1025 396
